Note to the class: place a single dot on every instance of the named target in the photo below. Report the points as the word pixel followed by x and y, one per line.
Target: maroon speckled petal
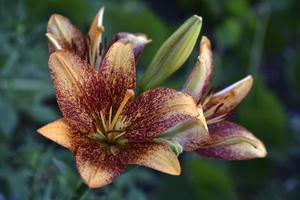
pixel 97 165
pixel 118 70
pixel 154 112
pixel 66 35
pixel 223 102
pixel 231 142
pixel 199 79
pixel 155 155
pixel 81 93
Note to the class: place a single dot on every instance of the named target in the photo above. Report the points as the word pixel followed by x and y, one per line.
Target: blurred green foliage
pixel 257 37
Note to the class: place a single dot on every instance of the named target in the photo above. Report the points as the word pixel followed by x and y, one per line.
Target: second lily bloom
pixel 227 140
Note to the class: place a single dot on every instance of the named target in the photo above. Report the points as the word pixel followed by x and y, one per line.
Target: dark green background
pixel 248 37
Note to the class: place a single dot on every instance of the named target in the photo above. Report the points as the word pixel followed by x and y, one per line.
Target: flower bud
pixel 173 53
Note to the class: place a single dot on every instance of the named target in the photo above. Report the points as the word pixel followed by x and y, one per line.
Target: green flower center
pixel 112 138
pixel 106 127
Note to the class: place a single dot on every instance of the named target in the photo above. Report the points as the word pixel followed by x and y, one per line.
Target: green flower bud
pixel 173 53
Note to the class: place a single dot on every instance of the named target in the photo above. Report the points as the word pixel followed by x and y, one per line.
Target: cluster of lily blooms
pixel 107 127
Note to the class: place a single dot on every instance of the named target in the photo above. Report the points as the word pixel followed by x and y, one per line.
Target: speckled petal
pixel 189 134
pixel 118 70
pixel 200 77
pixel 58 131
pixel 154 112
pixel 97 165
pixel 154 155
pixel 232 142
pixel 80 91
pixel 66 35
pixel 138 41
pixel 223 102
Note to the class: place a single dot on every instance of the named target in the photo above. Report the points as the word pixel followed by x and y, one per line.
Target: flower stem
pixel 80 191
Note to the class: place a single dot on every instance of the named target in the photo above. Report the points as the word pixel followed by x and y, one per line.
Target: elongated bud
pixel 138 41
pixel 199 79
pixel 95 39
pixel 173 53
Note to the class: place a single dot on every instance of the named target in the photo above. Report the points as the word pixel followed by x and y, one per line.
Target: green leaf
pixel 263 114
pixel 8 116
pixel 209 181
pixel 229 33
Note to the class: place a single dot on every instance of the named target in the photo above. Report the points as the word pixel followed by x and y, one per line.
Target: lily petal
pixel 232 142
pixel 190 134
pixel 200 77
pixel 154 112
pixel 80 93
pixel 138 41
pixel 97 165
pixel 64 33
pixel 154 155
pixel 58 131
pixel 223 102
pixel 118 70
pixel 95 39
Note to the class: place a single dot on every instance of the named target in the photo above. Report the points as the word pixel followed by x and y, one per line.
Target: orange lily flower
pixel 104 125
pixel 227 141
pixel 62 34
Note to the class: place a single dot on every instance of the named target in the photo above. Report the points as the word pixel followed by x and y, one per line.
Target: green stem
pixel 80 191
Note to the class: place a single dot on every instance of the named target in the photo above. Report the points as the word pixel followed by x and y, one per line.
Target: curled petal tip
pixel 100 16
pixel 261 150
pixel 225 101
pixel 232 142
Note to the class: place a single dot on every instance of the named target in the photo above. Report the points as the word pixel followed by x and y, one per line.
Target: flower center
pixel 106 132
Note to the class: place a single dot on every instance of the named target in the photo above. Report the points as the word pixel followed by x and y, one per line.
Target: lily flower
pixel 62 34
pixel 227 141
pixel 104 125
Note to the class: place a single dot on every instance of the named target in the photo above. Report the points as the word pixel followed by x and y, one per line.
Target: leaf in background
pixel 293 76
pixel 263 114
pixel 209 181
pixel 229 33
pixel 174 187
pixel 136 18
pixel 8 116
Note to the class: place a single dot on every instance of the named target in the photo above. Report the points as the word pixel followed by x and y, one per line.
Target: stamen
pixel 103 121
pixel 53 41
pixel 128 95
pixel 110 115
pixel 100 133
pixel 119 135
